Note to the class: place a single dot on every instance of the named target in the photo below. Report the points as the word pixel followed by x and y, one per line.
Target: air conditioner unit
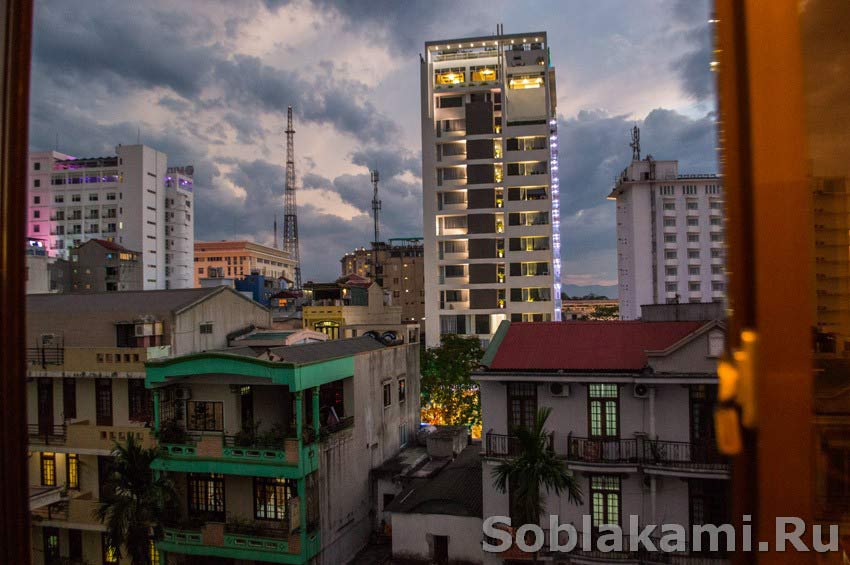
pixel 641 391
pixel 559 389
pixel 182 394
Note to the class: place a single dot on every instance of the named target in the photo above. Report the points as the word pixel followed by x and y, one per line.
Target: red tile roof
pixel 585 346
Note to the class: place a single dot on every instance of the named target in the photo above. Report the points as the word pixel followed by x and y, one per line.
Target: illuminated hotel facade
pixel 490 184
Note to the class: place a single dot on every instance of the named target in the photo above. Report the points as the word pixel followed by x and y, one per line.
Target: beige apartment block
pixel 86 391
pixel 237 259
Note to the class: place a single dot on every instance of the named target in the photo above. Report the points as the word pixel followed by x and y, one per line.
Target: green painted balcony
pixel 223 541
pixel 218 453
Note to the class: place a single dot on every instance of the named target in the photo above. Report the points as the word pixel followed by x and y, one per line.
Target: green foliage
pixel 534 470
pixel 449 396
pixel 135 502
pixel 603 313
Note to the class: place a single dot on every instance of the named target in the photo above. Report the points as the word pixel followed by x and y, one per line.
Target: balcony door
pixel 45 406
pixel 103 402
pixel 522 405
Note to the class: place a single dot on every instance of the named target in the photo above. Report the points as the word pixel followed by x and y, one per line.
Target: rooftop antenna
pixel 635 144
pixel 276 243
pixel 376 213
pixel 376 206
pixel 290 208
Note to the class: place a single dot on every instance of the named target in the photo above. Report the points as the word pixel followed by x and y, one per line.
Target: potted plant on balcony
pixel 135 503
pixel 535 469
pixel 172 432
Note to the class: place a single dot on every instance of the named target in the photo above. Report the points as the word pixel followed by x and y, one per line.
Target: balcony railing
pixel 243 539
pixel 49 435
pixel 645 451
pixel 636 451
pixel 501 445
pixel 229 447
pixel 77 511
pixel 44 356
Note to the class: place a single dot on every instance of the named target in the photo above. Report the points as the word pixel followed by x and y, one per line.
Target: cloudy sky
pixel 208 82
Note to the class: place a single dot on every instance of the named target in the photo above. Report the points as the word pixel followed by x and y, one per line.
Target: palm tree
pixel 134 501
pixel 535 469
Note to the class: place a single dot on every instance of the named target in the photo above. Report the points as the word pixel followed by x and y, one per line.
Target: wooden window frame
pixel 603 400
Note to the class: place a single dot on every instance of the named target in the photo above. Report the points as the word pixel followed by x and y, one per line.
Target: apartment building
pixel 400 270
pixel 350 301
pixel 121 198
pixel 670 245
pixel 104 266
pixel 490 184
pixel 632 418
pixel 238 259
pixel 272 449
pixel 179 227
pixel 86 390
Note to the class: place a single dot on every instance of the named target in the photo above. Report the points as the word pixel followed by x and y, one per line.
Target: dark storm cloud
pixel 693 67
pixel 390 161
pixel 404 24
pixel 172 69
pixel 90 41
pixel 80 47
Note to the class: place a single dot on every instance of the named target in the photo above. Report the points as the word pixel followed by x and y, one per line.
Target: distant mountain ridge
pixel 609 291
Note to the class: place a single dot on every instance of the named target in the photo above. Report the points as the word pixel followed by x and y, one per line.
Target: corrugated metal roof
pixel 584 346
pixel 142 301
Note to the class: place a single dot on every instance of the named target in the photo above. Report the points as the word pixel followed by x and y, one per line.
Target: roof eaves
pixel 686 339
pixel 495 343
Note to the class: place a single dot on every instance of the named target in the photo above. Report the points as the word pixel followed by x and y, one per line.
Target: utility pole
pixel 290 208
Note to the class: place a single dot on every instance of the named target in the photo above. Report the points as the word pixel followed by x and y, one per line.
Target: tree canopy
pixel 449 396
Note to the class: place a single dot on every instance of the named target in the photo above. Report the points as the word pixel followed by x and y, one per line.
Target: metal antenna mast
pixel 376 213
pixel 635 144
pixel 290 208
pixel 376 207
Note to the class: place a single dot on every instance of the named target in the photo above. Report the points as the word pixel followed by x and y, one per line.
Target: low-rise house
pixel 350 301
pixel 272 450
pixel 632 406
pixel 86 391
pixel 99 265
pixel 438 518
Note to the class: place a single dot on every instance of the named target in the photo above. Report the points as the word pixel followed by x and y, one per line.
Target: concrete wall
pixel 664 415
pixel 414 534
pixel 85 402
pixel 227 311
pixel 347 457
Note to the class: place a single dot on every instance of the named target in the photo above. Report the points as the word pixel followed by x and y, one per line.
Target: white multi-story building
pixel 490 184
pixel 121 198
pixel 179 228
pixel 669 236
pixel 632 406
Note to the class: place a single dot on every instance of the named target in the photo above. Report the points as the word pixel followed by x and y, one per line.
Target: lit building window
pixel 484 74
pixel 522 82
pixel 450 76
pixel 48 469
